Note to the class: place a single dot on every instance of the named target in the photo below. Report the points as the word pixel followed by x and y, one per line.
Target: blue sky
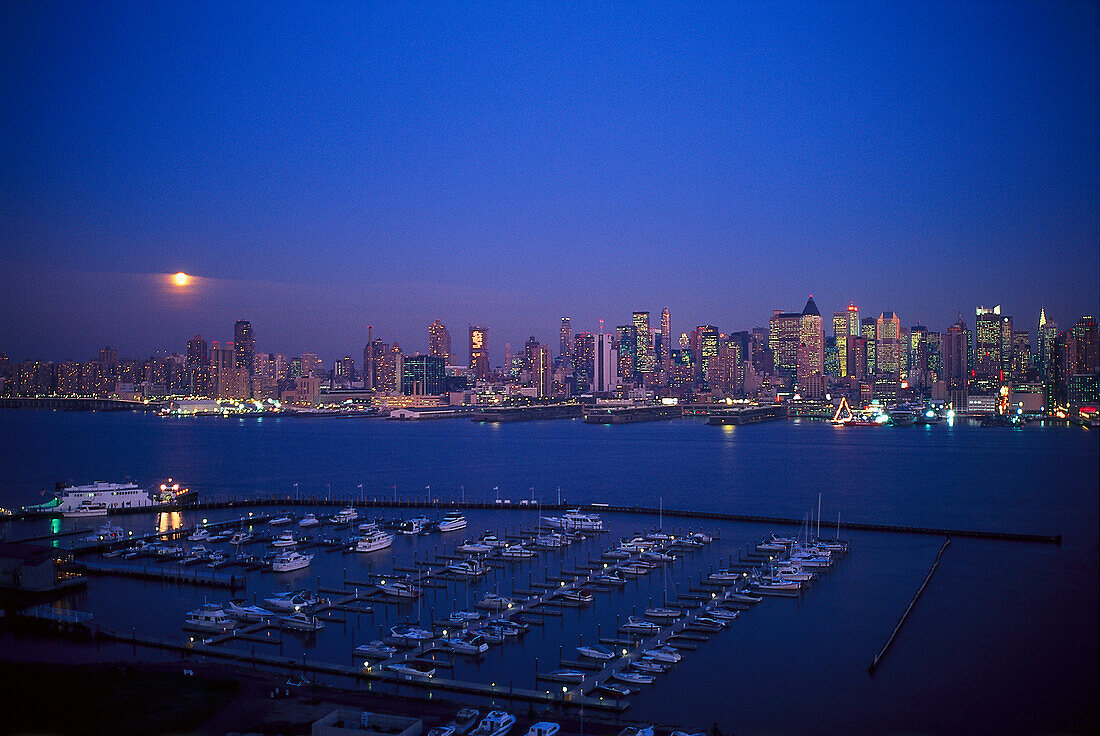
pixel 325 168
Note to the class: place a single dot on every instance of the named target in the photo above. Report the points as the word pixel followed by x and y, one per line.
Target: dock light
pixel 713 595
pixel 383 582
pixel 563 583
pixel 564 689
pixel 492 684
pixel 444 632
pixel 509 605
pixel 624 651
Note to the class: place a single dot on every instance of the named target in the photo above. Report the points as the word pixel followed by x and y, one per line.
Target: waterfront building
pixel 566 338
pixel 1083 389
pixel 439 341
pixel 888 352
pixel 811 343
pixel 479 352
pixel 605 375
pixel 423 375
pixel 783 341
pixel 244 346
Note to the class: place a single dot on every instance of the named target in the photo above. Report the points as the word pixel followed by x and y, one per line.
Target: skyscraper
pixel 840 332
pixel 993 344
pixel 888 353
pixel 584 353
pixel 868 329
pixel 244 346
pixel 709 337
pixel 606 359
pixel 853 320
pixel 666 340
pixel 954 344
pixel 439 341
pixel 1047 332
pixel 811 343
pixel 783 341
pixel 423 375
pixel 479 352
pixel 541 370
pixel 624 344
pixel 1085 354
pixel 566 338
pixel 643 337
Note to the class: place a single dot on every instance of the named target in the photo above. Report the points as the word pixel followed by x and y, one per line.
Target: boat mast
pixel 819 516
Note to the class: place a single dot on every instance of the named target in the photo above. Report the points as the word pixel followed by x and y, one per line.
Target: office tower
pixel 244 346
pixel 643 338
pixel 605 375
pixel 666 340
pixel 867 329
pixel 584 354
pixel 857 356
pixel 312 365
pixel 1047 332
pixel 730 371
pixel 709 337
pixel 993 345
pixel 934 342
pixel 954 344
pixel 423 375
pixel 439 341
pixel 479 352
pixel 840 335
pixel 759 353
pixel 229 382
pixel 542 370
pixel 108 358
pixel 888 345
pixel 1021 355
pixel 1085 356
pixel 343 370
pixel 853 320
pixel 624 344
pixel 918 355
pixel 529 349
pixel 685 341
pixel 198 354
pixel 783 341
pixel 565 338
pixel 390 371
pixel 811 343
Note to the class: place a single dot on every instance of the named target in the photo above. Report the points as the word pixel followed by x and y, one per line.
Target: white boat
pixel 651 556
pixel 574 520
pixel 289 561
pixel 413 526
pixel 309 520
pixel 220 536
pixel 200 535
pixel 493 541
pixel 373 541
pixel 618 553
pixel 476 548
pixel 466 643
pixel 242 611
pixel 464 720
pixel 496 723
pixel 107 533
pixel 468 568
pixel 543 728
pixel 596 651
pixel 614 689
pixel 345 515
pixel 461 618
pixel 549 541
pixel 286 539
pixel 663 613
pixel 442 731
pixel 211 617
pixel 631 731
pixel 368 526
pixel 640 626
pixel 399 589
pixel 216 559
pixel 409 632
pixel 240 537
pixel 743 597
pixel 722 614
pixel 377 649
pixel 663 654
pixel 282 519
pixel 609 579
pixel 292 601
pixel 495 602
pixel 649 666
pixel 453 521
pixel 778 584
pixel 300 621
pixel 582 596
pixel 632 678
pixel 517 552
pixel 412 669
pixel 95 499
pixel 725 576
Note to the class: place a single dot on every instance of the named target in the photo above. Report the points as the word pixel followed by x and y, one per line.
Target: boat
pixel 632 731
pixel 460 618
pixel 368 526
pixel 778 584
pixel 552 540
pixel 309 520
pixel 281 520
pixel 582 596
pixel 633 678
pixel 496 723
pixel 464 720
pixel 640 626
pixel 373 541
pixel 216 559
pixel 87 507
pixel 289 561
pixel 211 617
pixel 493 541
pixel 902 417
pixel 286 539
pixel 651 556
pixel 376 649
pixel 649 666
pixel 107 533
pixel 468 568
pixel 345 515
pixel 477 548
pixel 240 609
pixel 408 632
pixel 452 521
pixel 743 597
pixel 200 535
pixel 663 654
pixel 543 728
pixel 574 520
pixel 567 675
pixel 220 537
pixel 517 552
pixel 297 680
pixel 300 621
pixel 100 498
pixel 495 602
pixel 663 613
pixel 413 526
pixel 292 601
pixel 114 553
pixel 614 689
pixel 596 651
pixel 722 614
pixel 196 555
pixel 726 576
pixel 619 553
pixel 412 669
pixel 240 537
pixel 442 731
pixel 466 643
pixel 399 589
pixel 611 578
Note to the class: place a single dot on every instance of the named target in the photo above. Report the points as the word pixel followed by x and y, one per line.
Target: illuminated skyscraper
pixel 868 329
pixel 954 344
pixel 423 375
pixel 1085 354
pixel 1048 331
pixel 542 370
pixel 709 338
pixel 244 346
pixel 584 353
pixel 606 364
pixel 566 338
pixel 811 343
pixel 1021 355
pixel 993 344
pixel 666 340
pixel 840 333
pixel 853 320
pixel 479 352
pixel 783 341
pixel 624 344
pixel 888 353
pixel 439 341
pixel 643 338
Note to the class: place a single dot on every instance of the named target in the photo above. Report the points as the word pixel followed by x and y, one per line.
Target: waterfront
pixel 1005 636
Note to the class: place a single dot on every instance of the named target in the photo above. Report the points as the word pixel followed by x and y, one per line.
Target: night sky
pixel 319 169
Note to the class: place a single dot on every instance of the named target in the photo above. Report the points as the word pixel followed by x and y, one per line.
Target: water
pixel 1004 639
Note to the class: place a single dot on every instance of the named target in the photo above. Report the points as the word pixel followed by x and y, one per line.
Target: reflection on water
pixel 168 521
pixel 55 528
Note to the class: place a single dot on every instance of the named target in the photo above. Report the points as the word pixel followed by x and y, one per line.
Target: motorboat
pixel 618 553
pixel 240 537
pixel 640 626
pixel 300 621
pixel 493 541
pixel 442 731
pixel 664 654
pixel 567 675
pixel 632 731
pixel 664 613
pixel 240 609
pixel 368 526
pixel 309 520
pixel 726 576
pixel 412 669
pixel 778 584
pixel 282 519
pixel 614 689
pixel 399 589
pixel 632 678
pixel 114 553
pixel 200 535
pixel 543 728
pixel 478 548
pixel 495 602
pixel 464 720
pixel 549 541
pixel 297 680
pixel 722 614
pixel 373 541
pixel 517 552
pixel 649 666
pixel 574 520
pixel 658 536
pixel 582 596
pixel 596 651
pixel 292 601
pixel 413 526
pixel 609 579
pixel 708 623
pixel 701 538
pixel 286 539
pixel 197 554
pixel 211 617
pixel 743 597
pixel 220 536
pixel 376 649
pixel 463 617
pixel 290 561
pixel 496 723
pixel 408 632
pixel 651 556
pixel 216 559
pixel 468 568
pixel 107 533
pixel 794 572
pixel 466 643
pixel 452 521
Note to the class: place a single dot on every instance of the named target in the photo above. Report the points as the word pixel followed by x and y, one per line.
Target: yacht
pixel 640 626
pixel 463 721
pixel 345 515
pixel 574 520
pixel 453 521
pixel 497 723
pixel 368 526
pixel 399 589
pixel 596 651
pixel 651 556
pixel 618 553
pixel 517 552
pixel 610 687
pixel 240 537
pixel 495 602
pixel 300 621
pixel 663 613
pixel 210 617
pixel 107 533
pixel 87 507
pixel 466 643
pixel 282 519
pixel 567 675
pixel 611 578
pixel 474 548
pixel 468 568
pixel 289 561
pixel 286 539
pixel 408 632
pixel 292 601
pixel 220 536
pixel 649 666
pixel 373 541
pixel 412 669
pixel 377 649
pixel 460 618
pixel 633 678
pixel 722 614
pixel 580 596
pixel 216 559
pixel 309 520
pixel 743 597
pixel 725 576
pixel 200 535
pixel 543 728
pixel 493 541
pixel 413 526
pixel 197 554
pixel 552 540
pixel 239 609
pixel 663 654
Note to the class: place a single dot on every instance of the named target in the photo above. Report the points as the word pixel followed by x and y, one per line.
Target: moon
pixel 181 279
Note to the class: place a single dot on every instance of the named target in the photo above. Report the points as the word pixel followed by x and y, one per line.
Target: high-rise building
pixel 479 352
pixel 542 370
pixel 840 334
pixel 954 345
pixel 439 341
pixel 666 340
pixel 730 368
pixel 759 353
pixel 1021 355
pixel 918 355
pixel 811 343
pixel 643 338
pixel 391 368
pixel 888 353
pixel 244 346
pixel 709 338
pixel 605 375
pixel 853 320
pixel 993 345
pixel 229 381
pixel 312 365
pixel 868 329
pixel 1084 338
pixel 565 338
pixel 624 344
pixel 423 375
pixel 1047 332
pixel 584 354
pixel 783 341
pixel 198 354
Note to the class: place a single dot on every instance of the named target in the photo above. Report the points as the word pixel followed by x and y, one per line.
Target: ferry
pixel 374 540
pixel 101 498
pixel 573 520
